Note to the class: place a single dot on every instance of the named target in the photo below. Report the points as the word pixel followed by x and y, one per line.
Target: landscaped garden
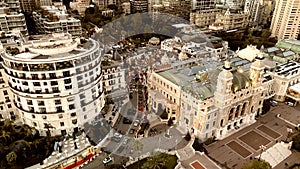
pixel 157 161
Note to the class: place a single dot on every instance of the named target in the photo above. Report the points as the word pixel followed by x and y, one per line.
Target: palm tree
pixel 156 161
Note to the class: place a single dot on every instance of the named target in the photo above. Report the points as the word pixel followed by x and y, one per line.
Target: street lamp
pixel 262 148
pixel 289 131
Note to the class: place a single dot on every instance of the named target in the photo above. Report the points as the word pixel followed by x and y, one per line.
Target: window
pixel 44 117
pixel 41 103
pixel 207 126
pixel 1 107
pixel 7 99
pixel 5 92
pixel 214 123
pixel 36 84
pixel 33 116
pixel 68 87
pixel 1 117
pixel 186 121
pixel 66 73
pixel 59 109
pixel 71 106
pixel 34 123
pixel 53 83
pixel 85 116
pixel 62 124
pixel 67 81
pixel 74 121
pixel 55 89
pixel 60 116
pixel 73 114
pixel 9 105
pixel 208 117
pixel 57 102
pixel 82 96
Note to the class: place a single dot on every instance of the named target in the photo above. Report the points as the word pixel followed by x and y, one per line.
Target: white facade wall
pixel 65 97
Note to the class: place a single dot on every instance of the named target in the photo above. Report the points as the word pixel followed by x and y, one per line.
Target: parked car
pixel 290 103
pixel 107 160
pixel 273 103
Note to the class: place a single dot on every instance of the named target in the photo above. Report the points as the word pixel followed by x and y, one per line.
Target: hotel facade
pixel 56 82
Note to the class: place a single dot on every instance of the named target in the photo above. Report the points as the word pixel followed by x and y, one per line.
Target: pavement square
pixel 197 165
pixel 269 131
pixel 254 140
pixel 239 149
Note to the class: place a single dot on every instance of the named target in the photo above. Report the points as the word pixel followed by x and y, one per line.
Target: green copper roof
pixel 293 45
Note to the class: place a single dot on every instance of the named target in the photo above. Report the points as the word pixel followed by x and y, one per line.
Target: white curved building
pixel 57 82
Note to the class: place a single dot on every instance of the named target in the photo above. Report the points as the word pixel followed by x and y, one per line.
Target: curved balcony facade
pixel 57 93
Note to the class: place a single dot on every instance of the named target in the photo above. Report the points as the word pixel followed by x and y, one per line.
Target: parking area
pixel 243 146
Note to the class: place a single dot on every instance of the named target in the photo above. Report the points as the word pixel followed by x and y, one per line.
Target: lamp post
pixel 262 148
pixel 289 131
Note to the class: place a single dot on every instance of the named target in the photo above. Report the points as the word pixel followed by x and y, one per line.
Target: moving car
pixel 136 123
pixel 117 137
pixel 131 131
pixel 125 141
pixel 126 121
pixel 107 160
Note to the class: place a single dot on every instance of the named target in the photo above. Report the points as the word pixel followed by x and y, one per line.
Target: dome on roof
pixel 240 81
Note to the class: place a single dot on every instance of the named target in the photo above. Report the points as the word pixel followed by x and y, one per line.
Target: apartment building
pixel 51 19
pixel 56 82
pixel 10 17
pixel 232 20
pixel 40 3
pixel 204 18
pixel 139 6
pixel 286 22
pixel 203 4
pixel 255 8
pixel 114 83
pixel 28 5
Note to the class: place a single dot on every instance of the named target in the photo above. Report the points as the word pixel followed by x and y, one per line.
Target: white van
pixel 273 102
pixel 290 103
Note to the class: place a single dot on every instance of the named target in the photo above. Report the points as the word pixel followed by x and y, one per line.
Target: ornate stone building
pixel 213 102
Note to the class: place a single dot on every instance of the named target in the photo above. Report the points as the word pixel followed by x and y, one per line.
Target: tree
pixel 187 136
pixel 11 158
pixel 156 161
pixel 296 142
pixel 258 164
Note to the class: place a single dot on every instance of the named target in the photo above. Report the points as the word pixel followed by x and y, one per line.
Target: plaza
pixel 245 145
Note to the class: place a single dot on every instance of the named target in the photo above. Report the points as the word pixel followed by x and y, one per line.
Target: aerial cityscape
pixel 150 84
